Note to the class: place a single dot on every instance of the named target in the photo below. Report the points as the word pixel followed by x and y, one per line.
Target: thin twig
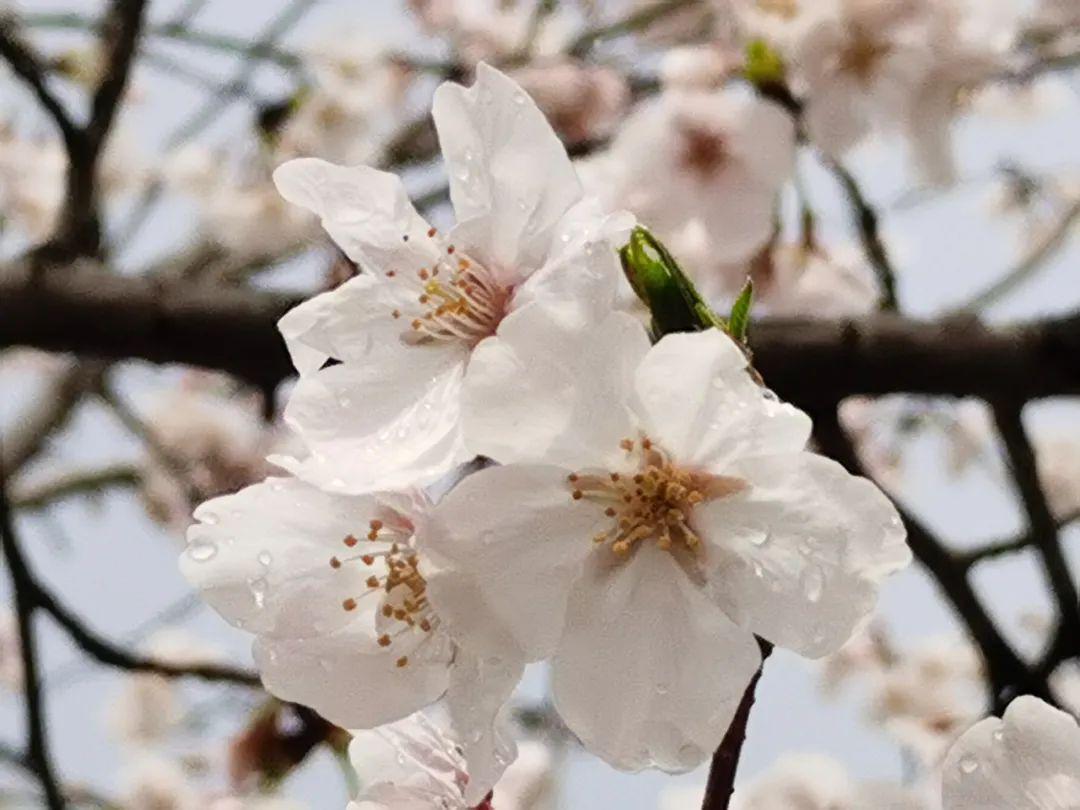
pixel 74 483
pixel 1013 545
pixel 1030 264
pixel 1044 529
pixel 868 225
pixel 27 601
pixel 635 21
pixel 725 762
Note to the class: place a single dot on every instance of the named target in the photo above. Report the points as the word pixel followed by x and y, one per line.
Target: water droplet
pixel 759 538
pixel 998 735
pixel 202 550
pixel 338 483
pixel 813 583
pixel 344 401
pixel 519 98
pixel 522 205
pixel 468 156
pixel 265 558
pixel 565 237
pixel 277 486
pixel 463 174
pixel 690 754
pixel 662 689
pixel 209 518
pixel 968 764
pixel 759 572
pixel 258 591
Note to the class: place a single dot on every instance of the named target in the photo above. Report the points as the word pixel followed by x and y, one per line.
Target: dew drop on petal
pixel 759 538
pixel 813 583
pixel 968 764
pixel 338 483
pixel 258 591
pixel 759 572
pixel 202 550
pixel 519 98
pixel 690 754
pixel 998 735
pixel 265 558
pixel 209 518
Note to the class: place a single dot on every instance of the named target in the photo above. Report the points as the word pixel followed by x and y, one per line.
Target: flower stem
pixel 721 784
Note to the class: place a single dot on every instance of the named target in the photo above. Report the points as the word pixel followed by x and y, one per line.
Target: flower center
pixel 401 588
pixel 704 152
pixel 785 9
pixel 862 55
pixel 654 501
pixel 459 300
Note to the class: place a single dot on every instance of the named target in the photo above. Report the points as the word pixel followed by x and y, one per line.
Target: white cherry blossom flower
pixel 818 782
pixel 387 415
pixel 334 589
pixel 702 169
pixel 1027 760
pixel 815 284
pixel 670 505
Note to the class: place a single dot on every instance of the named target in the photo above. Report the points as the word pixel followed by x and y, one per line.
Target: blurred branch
pixel 49 412
pixel 27 65
pixel 1030 264
pixel 867 223
pixel 1008 673
pixel 725 762
pixel 27 601
pixel 1013 545
pixel 177 31
pixel 1044 529
pixel 90 311
pixel 73 484
pixel 636 21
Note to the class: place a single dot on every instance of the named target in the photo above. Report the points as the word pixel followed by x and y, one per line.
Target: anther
pixel 349 604
pixel 350 541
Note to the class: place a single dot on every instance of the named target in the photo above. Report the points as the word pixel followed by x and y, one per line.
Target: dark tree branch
pixel 48 414
pixel 79 230
pixel 106 652
pixel 1044 528
pixel 28 66
pixel 725 762
pixel 866 221
pixel 1008 673
pixel 1013 545
pixel 26 604
pixel 808 362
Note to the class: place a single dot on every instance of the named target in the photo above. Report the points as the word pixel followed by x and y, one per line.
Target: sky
pixel 119 570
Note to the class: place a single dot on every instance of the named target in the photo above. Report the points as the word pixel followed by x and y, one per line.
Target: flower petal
pixel 506 544
pixel 798 556
pixel 477 699
pixel 352 682
pixel 347 323
pixel 261 557
pixel 366 211
pixel 511 180
pixel 1028 760
pixel 546 390
pixel 649 672
pixel 389 423
pixel 696 398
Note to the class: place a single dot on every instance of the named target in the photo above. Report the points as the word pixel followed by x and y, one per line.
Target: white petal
pixel 649 672
pixel 545 390
pixel 347 323
pixel 836 117
pixel 350 680
pixel 798 556
pixel 477 699
pixel 510 177
pixel 388 423
pixel 697 400
pixel 1028 760
pixel 584 271
pixel 261 557
pixel 366 211
pixel 507 542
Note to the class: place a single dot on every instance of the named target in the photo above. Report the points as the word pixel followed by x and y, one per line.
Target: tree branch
pixel 74 483
pixel 26 594
pixel 27 66
pixel 725 762
pixel 808 362
pixel 1044 529
pixel 1008 673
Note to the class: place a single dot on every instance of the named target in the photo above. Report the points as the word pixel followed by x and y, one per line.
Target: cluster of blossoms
pixel 651 508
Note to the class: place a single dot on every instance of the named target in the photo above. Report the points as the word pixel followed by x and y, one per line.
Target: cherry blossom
pixel 1027 760
pixel 702 168
pixel 654 500
pixel 334 589
pixel 387 415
